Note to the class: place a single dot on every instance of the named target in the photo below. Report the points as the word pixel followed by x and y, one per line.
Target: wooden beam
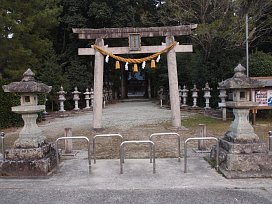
pixel 144 49
pixel 88 33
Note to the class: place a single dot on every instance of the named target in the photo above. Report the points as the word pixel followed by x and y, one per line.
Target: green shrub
pixel 7 100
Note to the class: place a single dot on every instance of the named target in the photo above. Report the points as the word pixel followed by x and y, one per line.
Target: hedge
pixel 7 100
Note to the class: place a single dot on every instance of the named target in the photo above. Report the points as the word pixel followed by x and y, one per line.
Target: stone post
pixel 68 143
pixel 222 105
pixel 61 99
pixel 207 95
pixel 194 96
pixel 98 86
pixel 87 98
pixel 173 83
pixel 76 98
pixel 184 95
pixel 160 94
pixel 202 133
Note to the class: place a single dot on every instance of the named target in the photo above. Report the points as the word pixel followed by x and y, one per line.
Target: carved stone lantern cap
pixel 194 88
pixel 27 85
pixel 240 80
pixel 87 92
pixel 76 91
pixel 207 87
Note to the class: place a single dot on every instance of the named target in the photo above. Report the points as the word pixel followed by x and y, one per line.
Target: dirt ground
pixel 134 121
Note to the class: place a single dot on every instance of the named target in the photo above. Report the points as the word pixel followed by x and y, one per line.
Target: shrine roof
pixel 267 81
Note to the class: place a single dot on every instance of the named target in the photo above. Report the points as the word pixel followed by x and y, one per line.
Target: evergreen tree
pixel 26 35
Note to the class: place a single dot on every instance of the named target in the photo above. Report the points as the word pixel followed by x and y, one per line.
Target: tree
pixel 260 64
pixel 220 23
pixel 26 35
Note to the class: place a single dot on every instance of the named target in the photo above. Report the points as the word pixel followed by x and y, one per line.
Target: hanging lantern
pixel 135 68
pixel 153 64
pixel 117 65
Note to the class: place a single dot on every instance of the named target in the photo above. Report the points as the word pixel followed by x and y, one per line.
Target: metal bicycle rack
pixel 200 138
pixel 77 138
pixel 103 135
pixel 122 156
pixel 167 134
pixel 2 135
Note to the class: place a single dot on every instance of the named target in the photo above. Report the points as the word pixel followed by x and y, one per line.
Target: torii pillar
pixel 100 34
pixel 98 86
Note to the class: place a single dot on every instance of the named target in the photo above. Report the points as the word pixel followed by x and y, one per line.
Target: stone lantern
pixel 92 97
pixel 87 98
pixel 194 96
pixel 76 98
pixel 28 88
pixel 240 85
pixel 241 151
pixel 184 95
pixel 32 155
pixel 207 95
pixel 223 95
pixel 180 95
pixel 61 99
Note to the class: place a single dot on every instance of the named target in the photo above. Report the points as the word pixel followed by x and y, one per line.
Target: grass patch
pixel 215 127
pixel 193 121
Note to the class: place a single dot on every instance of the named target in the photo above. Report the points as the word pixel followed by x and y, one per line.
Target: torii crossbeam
pixel 168 32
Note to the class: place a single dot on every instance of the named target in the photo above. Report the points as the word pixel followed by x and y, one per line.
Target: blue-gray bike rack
pixel 122 156
pixel 74 138
pixel 199 139
pixel 101 136
pixel 167 134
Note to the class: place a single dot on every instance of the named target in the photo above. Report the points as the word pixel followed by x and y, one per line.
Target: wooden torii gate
pixel 168 32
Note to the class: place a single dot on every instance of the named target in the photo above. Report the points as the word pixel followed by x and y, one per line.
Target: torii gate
pixel 168 32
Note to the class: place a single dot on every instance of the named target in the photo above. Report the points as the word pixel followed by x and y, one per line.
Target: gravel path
pixel 122 115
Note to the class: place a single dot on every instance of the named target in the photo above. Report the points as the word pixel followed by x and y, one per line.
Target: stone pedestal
pixel 245 160
pixel 29 162
pixel 30 135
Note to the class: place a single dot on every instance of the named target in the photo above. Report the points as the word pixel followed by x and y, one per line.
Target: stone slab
pixel 41 167
pixel 18 154
pixel 247 174
pixel 254 165
pixel 243 148
pixel 248 162
pixel 33 162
